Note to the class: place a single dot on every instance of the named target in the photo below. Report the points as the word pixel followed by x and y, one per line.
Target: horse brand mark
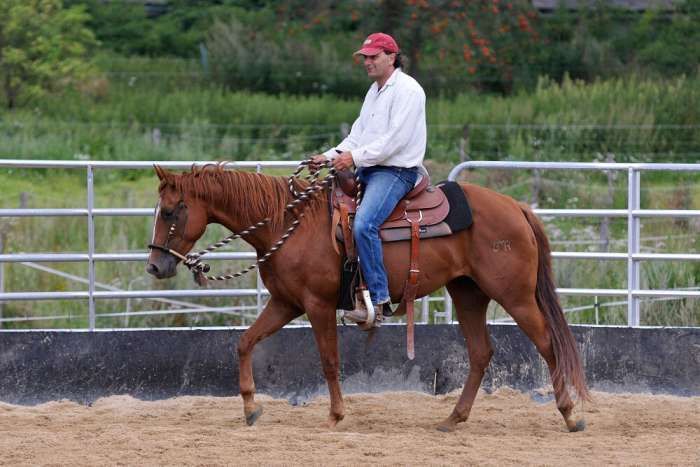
pixel 501 245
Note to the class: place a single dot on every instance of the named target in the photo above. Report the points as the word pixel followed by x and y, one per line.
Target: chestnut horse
pixel 504 256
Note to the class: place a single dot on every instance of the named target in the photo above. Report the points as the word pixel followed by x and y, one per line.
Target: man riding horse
pixel 387 145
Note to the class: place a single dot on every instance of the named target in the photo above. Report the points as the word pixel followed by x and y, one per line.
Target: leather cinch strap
pixel 411 289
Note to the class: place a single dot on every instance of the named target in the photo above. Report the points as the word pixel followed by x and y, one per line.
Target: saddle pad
pixel 460 215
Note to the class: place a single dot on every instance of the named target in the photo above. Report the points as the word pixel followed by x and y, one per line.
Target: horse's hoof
pixel 251 418
pixel 333 420
pixel 448 426
pixel 580 426
pixel 330 423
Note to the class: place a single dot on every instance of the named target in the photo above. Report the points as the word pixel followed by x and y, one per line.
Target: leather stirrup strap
pixel 411 289
pixel 348 240
pixel 335 220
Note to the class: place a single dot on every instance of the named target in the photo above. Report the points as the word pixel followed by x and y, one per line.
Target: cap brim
pixel 369 51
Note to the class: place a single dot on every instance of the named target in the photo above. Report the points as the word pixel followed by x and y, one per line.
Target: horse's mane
pixel 253 196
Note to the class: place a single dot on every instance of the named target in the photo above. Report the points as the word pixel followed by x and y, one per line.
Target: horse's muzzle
pixel 161 272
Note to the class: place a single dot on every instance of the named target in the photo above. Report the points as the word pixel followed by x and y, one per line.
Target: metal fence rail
pixel 91 257
pixel 633 213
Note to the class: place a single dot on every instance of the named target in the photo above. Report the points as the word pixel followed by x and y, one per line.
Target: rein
pixel 193 260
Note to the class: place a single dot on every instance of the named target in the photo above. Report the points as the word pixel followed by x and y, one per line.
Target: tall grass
pixel 145 117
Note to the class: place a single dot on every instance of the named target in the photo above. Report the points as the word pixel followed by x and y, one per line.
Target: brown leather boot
pixel 387 312
pixel 356 315
pixel 359 316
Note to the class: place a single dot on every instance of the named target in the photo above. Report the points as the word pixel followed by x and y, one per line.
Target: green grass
pixel 652 121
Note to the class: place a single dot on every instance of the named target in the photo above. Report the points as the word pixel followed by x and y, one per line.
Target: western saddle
pixel 420 214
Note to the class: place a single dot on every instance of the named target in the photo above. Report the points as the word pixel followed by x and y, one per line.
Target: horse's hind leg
pixel 275 315
pixel 470 304
pixel 534 325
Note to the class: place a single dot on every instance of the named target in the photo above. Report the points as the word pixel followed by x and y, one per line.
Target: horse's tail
pixel 569 368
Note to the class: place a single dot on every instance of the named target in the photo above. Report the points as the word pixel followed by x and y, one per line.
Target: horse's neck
pixel 262 238
pixel 241 213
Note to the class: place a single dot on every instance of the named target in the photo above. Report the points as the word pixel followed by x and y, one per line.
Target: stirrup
pixel 363 314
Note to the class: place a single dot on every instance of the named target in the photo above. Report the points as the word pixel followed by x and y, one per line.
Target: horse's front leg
pixel 323 322
pixel 275 315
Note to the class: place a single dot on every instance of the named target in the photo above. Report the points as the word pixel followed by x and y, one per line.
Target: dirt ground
pixel 506 427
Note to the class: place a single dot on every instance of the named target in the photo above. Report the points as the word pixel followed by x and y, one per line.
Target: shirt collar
pixel 391 81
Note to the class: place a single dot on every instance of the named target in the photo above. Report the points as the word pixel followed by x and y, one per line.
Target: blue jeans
pixel 382 189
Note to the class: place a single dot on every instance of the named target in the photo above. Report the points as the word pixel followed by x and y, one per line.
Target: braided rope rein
pixel 193 260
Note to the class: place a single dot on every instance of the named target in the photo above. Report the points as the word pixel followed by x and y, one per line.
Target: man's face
pixel 379 66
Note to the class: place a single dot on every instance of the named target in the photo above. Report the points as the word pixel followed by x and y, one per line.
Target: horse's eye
pixel 167 214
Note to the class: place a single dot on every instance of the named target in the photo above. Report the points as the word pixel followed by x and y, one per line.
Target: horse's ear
pixel 160 172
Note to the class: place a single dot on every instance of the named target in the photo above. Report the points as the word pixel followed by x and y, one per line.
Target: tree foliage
pixel 305 46
pixel 169 28
pixel 43 46
pixel 446 43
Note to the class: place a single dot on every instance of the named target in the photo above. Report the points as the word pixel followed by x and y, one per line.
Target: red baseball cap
pixel 376 43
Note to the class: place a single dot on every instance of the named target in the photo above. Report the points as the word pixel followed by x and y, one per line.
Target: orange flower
pixel 471 70
pixel 523 23
pixel 485 51
pixel 438 26
pixel 467 53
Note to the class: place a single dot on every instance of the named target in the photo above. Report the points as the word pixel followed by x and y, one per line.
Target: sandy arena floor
pixel 506 427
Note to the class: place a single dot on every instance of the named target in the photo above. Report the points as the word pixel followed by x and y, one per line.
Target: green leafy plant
pixel 43 47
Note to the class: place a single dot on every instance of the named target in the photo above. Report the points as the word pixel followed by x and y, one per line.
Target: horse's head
pixel 180 219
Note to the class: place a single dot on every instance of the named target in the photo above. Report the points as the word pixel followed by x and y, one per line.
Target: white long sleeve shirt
pixel 391 128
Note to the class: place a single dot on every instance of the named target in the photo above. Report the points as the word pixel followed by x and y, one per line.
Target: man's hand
pixel 317 161
pixel 343 161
